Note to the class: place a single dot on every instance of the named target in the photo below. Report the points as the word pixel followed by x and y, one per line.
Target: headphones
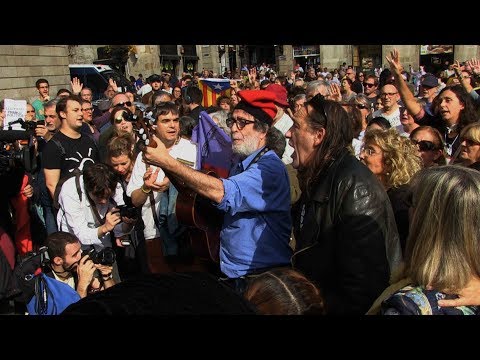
pixel 186 97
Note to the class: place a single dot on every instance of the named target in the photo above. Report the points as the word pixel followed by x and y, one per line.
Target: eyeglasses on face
pixel 241 123
pixel 87 109
pixel 369 85
pixel 317 103
pixel 388 94
pixel 368 151
pixel 127 103
pixel 361 106
pixel 425 145
pixel 469 142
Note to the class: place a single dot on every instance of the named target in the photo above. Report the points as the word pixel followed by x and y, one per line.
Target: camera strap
pixel 95 210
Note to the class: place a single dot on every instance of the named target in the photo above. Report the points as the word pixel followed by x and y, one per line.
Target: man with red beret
pixel 255 198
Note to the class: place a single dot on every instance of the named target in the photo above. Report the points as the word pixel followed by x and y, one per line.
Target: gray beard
pixel 249 146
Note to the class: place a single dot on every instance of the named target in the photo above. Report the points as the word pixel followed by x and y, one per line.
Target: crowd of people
pixel 342 192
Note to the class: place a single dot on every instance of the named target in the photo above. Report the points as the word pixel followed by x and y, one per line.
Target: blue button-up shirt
pixel 257 224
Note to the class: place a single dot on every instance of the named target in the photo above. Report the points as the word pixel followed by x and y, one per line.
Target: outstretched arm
pixel 205 185
pixel 406 95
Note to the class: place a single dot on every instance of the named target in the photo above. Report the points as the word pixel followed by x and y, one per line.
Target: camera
pixel 128 211
pixel 106 256
pixel 10 158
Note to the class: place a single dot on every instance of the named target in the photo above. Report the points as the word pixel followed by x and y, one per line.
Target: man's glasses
pixel 128 103
pixel 425 145
pixel 119 120
pixel 368 85
pixel 317 103
pixel 87 109
pixel 241 123
pixel 388 94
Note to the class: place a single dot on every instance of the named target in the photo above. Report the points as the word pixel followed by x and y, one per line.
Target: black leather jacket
pixel 348 243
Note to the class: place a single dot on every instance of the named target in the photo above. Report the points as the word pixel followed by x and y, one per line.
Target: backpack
pixel 77 172
pixel 51 296
pixel 42 294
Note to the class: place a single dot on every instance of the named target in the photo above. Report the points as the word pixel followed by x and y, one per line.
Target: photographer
pixel 89 209
pixel 15 207
pixel 70 265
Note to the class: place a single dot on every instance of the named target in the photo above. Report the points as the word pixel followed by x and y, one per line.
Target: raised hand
pixel 475 65
pixel 252 75
pixel 76 85
pixel 394 62
pixel 113 84
pixel 335 94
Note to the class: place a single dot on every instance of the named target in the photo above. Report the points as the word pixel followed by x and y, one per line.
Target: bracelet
pixel 145 191
pixel 107 277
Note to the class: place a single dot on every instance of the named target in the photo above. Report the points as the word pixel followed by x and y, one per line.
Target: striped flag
pixel 212 89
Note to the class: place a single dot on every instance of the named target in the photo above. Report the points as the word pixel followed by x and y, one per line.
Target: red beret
pixel 258 103
pixel 280 94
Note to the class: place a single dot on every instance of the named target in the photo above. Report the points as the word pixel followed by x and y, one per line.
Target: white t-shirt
pixel 185 152
pixel 76 217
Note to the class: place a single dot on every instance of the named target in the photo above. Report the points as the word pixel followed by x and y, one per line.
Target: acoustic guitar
pixel 204 220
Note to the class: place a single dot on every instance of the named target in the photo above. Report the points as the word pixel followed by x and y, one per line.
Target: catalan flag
pixel 212 89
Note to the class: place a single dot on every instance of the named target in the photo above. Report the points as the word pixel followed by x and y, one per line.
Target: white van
pixel 96 77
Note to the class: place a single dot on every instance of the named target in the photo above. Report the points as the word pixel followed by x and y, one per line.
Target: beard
pixel 247 147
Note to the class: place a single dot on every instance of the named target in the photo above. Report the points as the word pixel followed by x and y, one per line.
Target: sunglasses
pixel 469 142
pixel 368 85
pixel 425 145
pixel 128 103
pixel 317 103
pixel 241 123
pixel 360 106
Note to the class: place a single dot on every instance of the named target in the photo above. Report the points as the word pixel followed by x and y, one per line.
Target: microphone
pixel 9 136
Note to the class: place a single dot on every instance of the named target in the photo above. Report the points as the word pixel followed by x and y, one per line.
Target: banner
pixel 435 49
pixel 212 89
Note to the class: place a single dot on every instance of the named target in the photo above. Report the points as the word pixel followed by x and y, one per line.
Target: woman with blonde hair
pixel 394 160
pixel 470 146
pixel 442 251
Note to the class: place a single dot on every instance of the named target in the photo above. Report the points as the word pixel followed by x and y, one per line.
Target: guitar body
pixel 203 219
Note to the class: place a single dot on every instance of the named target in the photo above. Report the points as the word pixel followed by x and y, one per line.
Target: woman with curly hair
pixel 393 159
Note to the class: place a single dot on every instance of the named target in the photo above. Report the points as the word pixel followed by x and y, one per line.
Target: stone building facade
pixel 22 65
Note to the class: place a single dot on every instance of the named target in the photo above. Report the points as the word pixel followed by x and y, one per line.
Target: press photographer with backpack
pixel 70 265
pixel 60 274
pixel 89 207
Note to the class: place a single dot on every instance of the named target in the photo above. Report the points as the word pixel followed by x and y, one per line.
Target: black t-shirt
pixel 79 153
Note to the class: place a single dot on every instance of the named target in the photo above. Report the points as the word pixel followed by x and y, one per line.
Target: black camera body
pixel 11 158
pixel 32 125
pixel 128 211
pixel 106 256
